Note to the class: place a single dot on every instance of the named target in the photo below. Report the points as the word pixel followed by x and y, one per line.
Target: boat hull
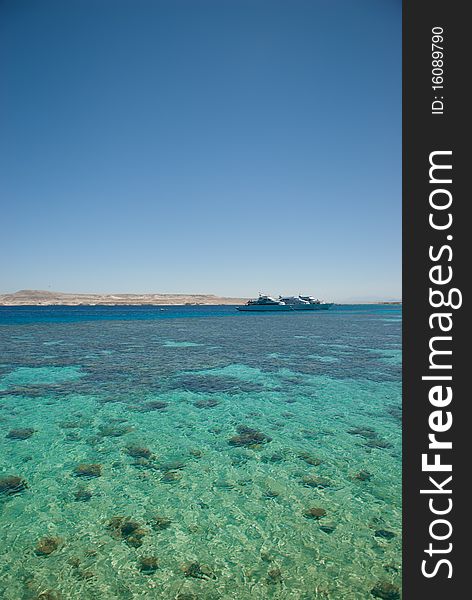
pixel 263 308
pixel 325 306
pixel 278 307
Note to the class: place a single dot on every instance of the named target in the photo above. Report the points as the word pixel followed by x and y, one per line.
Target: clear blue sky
pixel 220 146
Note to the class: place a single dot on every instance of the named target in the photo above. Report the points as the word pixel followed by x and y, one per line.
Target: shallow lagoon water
pixel 324 392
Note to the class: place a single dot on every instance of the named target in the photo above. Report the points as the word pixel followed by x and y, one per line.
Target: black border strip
pixel 424 133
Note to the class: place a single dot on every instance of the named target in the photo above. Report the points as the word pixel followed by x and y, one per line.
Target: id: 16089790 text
pixel 437 70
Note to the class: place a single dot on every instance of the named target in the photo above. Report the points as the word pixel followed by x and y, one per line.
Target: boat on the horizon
pixel 305 303
pixel 287 303
pixel 264 303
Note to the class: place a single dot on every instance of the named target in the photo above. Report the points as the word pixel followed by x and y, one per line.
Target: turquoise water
pixel 213 434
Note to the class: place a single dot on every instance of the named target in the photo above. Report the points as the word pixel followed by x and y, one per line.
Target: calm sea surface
pixel 200 453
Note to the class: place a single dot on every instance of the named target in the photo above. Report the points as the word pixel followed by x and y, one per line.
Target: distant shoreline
pixel 45 298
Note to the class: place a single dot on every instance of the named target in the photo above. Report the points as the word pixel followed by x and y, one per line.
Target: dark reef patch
pixel 171 477
pixel 314 481
pixel 138 452
pixel 49 595
pixel 371 437
pixel 386 591
pixel 160 523
pixel 365 432
pixel 206 403
pixel 224 484
pixel 148 565
pixel 362 475
pixel 196 453
pixel 127 530
pixel 88 470
pixel 274 576
pixel 20 434
pixel 248 437
pixel 277 457
pixel 139 463
pixel 328 528
pixel 197 571
pixel 315 512
pixel 310 459
pixel 114 430
pixel 79 423
pixel 395 412
pixel 270 494
pixel 83 495
pixel 47 545
pixel 378 443
pixel 12 484
pixel 171 465
pixel 153 405
pixel 385 534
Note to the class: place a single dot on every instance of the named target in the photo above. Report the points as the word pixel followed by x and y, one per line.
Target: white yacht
pixel 305 303
pixel 264 303
pixel 318 304
pixel 267 303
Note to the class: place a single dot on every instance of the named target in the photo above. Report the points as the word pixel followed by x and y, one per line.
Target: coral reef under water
pixel 138 452
pixel 148 564
pixel 249 437
pixel 206 403
pixel 88 470
pixel 315 512
pixel 198 571
pixel 386 591
pixel 310 459
pixel 83 495
pixel 12 484
pixel 21 434
pixel 153 405
pixel 47 545
pixel 128 530
pixel 160 523
pixel 315 481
